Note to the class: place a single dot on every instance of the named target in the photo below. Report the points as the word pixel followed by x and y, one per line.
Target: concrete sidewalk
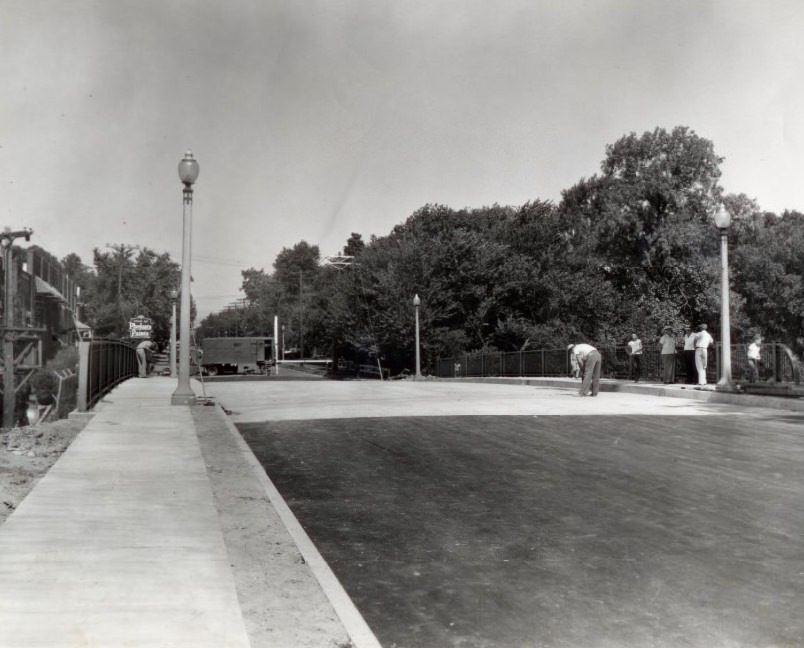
pixel 120 543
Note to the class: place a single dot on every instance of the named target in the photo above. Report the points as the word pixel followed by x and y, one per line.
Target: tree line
pixel 633 248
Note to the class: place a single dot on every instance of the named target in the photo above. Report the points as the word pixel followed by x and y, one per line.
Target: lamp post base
pixel 183 398
pixel 726 386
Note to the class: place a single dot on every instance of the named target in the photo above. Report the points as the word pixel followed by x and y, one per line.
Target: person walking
pixel 754 358
pixel 589 361
pixel 668 344
pixel 702 343
pixel 635 353
pixel 689 355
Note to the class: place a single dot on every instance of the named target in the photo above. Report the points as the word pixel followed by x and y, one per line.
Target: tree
pixel 648 224
pixel 354 245
pixel 767 262
pixel 126 286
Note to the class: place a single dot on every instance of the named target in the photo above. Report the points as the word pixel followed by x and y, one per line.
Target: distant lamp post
pixel 173 296
pixel 283 341
pixel 188 173
pixel 723 220
pixel 416 303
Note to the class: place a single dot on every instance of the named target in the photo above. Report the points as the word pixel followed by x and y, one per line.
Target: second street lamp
pixel 188 173
pixel 723 220
pixel 416 303
pixel 173 296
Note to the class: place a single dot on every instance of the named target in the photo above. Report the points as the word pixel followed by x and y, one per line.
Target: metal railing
pixel 102 364
pixel 779 365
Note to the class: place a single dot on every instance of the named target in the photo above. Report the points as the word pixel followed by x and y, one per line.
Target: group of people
pixel 586 360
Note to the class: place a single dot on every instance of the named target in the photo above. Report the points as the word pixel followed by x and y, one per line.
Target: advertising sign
pixel 140 327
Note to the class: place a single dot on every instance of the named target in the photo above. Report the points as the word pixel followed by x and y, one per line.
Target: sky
pixel 313 119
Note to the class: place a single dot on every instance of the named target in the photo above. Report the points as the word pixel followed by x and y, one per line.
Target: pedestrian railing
pixel 103 364
pixel 778 365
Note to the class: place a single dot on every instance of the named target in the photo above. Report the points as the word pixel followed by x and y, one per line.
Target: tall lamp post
pixel 188 173
pixel 723 220
pixel 416 303
pixel 173 296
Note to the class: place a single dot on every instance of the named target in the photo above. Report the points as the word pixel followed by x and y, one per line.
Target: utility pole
pixel 123 254
pixel 7 237
pixel 301 319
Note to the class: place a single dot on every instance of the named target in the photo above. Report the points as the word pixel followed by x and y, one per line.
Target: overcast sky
pixel 314 119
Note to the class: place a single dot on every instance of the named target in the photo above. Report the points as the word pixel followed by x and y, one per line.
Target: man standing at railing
pixel 689 355
pixel 635 351
pixel 668 345
pixel 754 358
pixel 144 350
pixel 702 343
pixel 589 360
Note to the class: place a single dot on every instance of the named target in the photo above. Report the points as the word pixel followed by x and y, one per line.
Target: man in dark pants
pixel 635 351
pixel 689 356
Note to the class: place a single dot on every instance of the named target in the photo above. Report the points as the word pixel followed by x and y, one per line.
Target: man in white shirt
pixel 635 351
pixel 589 360
pixel 702 343
pixel 754 358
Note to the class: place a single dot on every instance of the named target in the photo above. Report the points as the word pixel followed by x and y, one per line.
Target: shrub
pixel 45 385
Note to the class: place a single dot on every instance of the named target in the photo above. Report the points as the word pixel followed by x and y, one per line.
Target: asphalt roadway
pixel 485 515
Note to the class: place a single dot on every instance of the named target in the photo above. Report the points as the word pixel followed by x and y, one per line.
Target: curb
pixel 354 624
pixel 707 395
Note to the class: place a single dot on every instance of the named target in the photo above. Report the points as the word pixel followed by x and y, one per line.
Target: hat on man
pixel 570 346
pixel 702 327
pixel 667 328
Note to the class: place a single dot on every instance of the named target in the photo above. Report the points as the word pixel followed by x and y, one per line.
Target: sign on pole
pixel 140 327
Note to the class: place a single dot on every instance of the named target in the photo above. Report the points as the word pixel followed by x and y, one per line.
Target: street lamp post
pixel 173 296
pixel 416 303
pixel 723 220
pixel 188 173
pixel 283 341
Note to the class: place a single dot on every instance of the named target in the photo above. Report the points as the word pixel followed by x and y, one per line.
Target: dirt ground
pixel 27 453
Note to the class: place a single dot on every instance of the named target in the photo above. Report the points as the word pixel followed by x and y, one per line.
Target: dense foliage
pixel 633 248
pixel 125 282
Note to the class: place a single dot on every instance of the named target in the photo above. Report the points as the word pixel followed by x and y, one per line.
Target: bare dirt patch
pixel 27 453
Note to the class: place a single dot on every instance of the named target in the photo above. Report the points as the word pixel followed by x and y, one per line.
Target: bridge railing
pixel 102 364
pixel 778 364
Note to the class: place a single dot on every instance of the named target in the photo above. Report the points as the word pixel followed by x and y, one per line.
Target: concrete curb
pixel 356 627
pixel 708 395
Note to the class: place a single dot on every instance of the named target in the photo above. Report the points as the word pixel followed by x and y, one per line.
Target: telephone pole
pixel 7 237
pixel 301 318
pixel 123 254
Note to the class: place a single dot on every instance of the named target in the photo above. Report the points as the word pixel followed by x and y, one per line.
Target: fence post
pixel 83 376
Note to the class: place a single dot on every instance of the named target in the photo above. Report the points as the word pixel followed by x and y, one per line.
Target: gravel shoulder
pixel 282 602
